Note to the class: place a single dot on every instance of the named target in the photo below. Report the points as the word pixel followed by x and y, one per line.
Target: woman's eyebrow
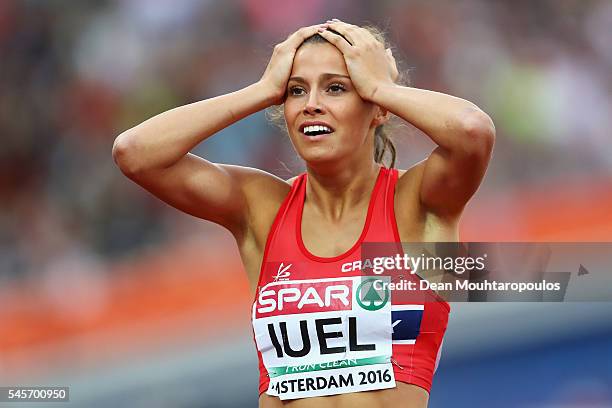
pixel 321 77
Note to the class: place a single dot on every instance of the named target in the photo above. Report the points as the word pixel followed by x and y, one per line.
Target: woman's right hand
pixel 276 75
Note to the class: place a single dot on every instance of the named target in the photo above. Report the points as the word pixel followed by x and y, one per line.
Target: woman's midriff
pixel 402 396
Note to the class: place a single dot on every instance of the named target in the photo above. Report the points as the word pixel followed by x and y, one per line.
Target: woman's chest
pixel 324 238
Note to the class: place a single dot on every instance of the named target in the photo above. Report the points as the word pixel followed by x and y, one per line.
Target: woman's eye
pixel 333 88
pixel 295 91
pixel 336 88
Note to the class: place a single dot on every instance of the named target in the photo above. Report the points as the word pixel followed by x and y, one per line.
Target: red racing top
pixel 418 326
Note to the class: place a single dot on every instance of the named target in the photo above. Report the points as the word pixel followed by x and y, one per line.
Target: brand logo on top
pixel 304 297
pixel 283 273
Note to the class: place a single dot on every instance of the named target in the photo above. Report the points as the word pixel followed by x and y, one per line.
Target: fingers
pixel 344 29
pixel 354 34
pixel 392 64
pixel 298 37
pixel 336 40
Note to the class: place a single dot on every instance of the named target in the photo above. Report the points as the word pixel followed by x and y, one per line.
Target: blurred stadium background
pixel 130 303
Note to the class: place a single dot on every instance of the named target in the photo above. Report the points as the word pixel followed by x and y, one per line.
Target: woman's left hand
pixel 369 64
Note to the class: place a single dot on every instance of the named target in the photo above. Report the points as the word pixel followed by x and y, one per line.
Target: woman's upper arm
pixel 449 178
pixel 445 181
pixel 221 193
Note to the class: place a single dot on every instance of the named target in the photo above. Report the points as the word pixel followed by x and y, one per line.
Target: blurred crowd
pixel 73 75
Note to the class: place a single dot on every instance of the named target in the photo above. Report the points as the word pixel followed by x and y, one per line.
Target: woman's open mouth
pixel 316 132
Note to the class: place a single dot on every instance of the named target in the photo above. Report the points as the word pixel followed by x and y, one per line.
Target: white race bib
pixel 325 336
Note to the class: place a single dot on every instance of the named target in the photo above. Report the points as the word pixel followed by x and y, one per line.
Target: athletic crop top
pixel 323 328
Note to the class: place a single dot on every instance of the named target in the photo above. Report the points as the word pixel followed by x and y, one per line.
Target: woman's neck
pixel 333 192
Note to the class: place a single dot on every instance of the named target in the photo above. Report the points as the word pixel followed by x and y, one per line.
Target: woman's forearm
pixel 444 118
pixel 165 138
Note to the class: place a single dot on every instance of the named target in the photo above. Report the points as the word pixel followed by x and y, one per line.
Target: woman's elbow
pixel 480 132
pixel 124 154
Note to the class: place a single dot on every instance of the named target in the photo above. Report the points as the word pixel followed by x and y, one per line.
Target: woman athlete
pixel 336 82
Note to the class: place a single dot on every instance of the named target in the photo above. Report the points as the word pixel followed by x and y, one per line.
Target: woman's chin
pixel 319 155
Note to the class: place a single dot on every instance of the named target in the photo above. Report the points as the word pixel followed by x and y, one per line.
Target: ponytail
pixel 383 144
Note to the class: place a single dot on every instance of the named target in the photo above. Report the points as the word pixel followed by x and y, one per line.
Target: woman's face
pixel 319 90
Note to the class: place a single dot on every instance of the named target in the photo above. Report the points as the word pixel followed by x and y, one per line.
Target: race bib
pixel 325 336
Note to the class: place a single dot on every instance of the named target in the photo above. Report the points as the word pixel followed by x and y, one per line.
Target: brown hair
pixel 383 144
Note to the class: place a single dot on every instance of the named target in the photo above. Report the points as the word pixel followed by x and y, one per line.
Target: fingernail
pixel 335 19
pixel 321 29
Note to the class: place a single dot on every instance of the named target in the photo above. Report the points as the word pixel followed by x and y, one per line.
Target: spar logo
pixel 369 298
pixel 311 296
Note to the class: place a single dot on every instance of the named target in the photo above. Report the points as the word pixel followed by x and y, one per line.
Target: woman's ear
pixel 382 116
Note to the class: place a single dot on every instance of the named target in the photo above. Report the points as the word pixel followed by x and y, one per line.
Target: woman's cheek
pixel 290 114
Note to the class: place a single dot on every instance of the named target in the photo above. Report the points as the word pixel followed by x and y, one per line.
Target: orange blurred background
pixel 96 275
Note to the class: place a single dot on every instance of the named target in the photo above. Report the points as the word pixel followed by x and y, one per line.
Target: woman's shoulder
pixel 410 176
pixel 260 186
pixel 414 220
pixel 264 193
pixel 407 188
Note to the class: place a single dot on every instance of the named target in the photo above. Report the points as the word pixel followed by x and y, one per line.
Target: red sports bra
pixel 306 307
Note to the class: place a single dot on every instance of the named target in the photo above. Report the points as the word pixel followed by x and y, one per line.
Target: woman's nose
pixel 313 105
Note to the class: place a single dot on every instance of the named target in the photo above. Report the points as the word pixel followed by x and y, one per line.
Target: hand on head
pixel 278 70
pixel 362 56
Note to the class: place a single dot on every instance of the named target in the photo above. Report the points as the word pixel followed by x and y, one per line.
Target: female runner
pixel 336 82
